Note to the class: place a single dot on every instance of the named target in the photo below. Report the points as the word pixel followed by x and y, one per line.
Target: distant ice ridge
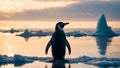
pixel 103 29
pixel 10 31
pixel 75 33
pixel 19 60
pixel 28 33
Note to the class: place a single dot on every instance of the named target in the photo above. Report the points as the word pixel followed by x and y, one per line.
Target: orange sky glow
pixel 46 13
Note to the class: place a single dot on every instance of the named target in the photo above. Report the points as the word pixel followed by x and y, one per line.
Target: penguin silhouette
pixel 58 42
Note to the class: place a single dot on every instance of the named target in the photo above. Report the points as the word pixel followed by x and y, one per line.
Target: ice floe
pixel 97 61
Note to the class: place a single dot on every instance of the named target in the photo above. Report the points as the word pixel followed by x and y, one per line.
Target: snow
pixel 103 29
pixel 98 61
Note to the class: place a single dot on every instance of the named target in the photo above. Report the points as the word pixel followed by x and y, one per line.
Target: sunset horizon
pixel 31 13
pixel 59 33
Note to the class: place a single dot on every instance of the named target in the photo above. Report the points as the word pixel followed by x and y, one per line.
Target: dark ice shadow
pixel 15 64
pixel 19 64
pixel 26 39
pixel 102 43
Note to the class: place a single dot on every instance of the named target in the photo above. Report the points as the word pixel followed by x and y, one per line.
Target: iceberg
pixel 103 29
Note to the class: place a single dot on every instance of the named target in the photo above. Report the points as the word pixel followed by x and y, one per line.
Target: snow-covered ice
pixel 98 61
pixel 75 33
pixel 10 31
pixel 27 33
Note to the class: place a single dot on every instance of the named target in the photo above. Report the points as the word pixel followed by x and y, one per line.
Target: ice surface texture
pixel 103 29
pixel 19 60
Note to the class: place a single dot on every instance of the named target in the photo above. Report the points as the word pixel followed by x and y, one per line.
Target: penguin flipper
pixel 68 46
pixel 48 45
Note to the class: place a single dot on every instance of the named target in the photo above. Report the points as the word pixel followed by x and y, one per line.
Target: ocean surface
pixel 89 46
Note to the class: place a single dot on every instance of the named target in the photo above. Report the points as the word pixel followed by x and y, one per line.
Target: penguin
pixel 58 43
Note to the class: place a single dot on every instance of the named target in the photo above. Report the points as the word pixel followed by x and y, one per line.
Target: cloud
pixel 89 10
pixel 12 6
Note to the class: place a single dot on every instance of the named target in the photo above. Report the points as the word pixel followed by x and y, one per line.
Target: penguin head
pixel 61 24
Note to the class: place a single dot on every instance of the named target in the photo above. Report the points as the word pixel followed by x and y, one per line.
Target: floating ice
pixel 22 59
pixel 103 29
pixel 101 61
pixel 10 31
pixel 41 33
pixel 75 34
pixel 27 33
pixel 18 60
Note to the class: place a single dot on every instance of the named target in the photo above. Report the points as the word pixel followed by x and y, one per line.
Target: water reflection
pixel 19 64
pixel 59 65
pixel 26 39
pixel 102 43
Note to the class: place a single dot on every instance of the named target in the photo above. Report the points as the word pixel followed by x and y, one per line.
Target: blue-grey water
pixel 10 44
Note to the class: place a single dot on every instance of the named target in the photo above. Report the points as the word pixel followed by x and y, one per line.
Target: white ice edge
pixel 98 61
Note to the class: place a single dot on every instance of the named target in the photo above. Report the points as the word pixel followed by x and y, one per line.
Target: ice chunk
pixel 100 61
pixel 21 59
pixel 4 59
pixel 10 31
pixel 106 63
pixel 75 34
pixel 26 33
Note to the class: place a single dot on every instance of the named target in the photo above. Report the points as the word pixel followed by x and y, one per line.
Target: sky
pixel 59 10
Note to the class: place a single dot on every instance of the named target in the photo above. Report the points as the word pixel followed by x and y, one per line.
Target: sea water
pixel 10 44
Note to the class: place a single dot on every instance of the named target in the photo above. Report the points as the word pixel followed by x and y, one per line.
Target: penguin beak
pixel 66 24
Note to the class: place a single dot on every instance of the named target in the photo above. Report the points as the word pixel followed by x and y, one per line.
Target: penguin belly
pixel 58 48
